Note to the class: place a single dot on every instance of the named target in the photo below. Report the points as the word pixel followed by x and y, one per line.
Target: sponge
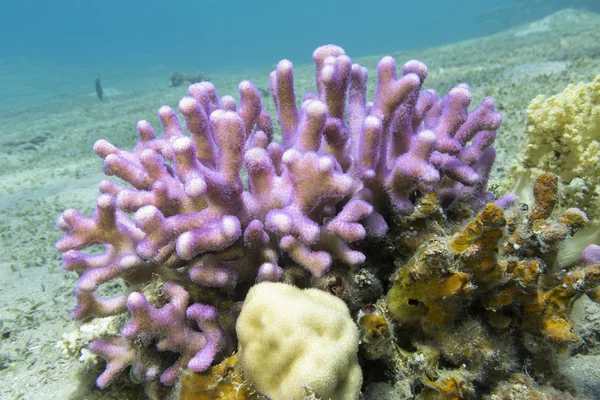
pixel 296 343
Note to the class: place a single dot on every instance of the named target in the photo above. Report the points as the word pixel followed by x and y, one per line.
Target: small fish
pixel 99 91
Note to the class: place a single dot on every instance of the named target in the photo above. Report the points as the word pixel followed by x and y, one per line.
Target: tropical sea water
pixel 57 48
pixel 51 53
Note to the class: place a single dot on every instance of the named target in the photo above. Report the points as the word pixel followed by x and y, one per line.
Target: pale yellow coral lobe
pixel 563 137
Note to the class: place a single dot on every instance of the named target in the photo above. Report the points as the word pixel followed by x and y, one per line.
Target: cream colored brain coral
pixel 295 343
pixel 563 137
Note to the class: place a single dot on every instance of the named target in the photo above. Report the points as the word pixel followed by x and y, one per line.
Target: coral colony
pixel 383 204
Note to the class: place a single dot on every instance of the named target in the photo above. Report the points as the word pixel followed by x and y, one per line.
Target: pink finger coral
pixel 217 205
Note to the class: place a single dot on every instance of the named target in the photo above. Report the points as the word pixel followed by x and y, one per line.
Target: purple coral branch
pixel 167 324
pixel 343 163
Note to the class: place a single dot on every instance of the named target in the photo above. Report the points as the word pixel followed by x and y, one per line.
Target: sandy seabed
pixel 47 165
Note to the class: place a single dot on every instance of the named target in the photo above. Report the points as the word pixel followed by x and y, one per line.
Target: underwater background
pixel 53 53
pixel 52 48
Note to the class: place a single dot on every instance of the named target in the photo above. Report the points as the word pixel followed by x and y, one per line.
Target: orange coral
pixel 547 312
pixel 477 245
pixel 545 191
pixel 592 278
pixel 434 299
pixel 523 280
pixel 574 219
pixel 431 289
pixel 376 336
pixel 484 231
pixel 505 261
pixel 449 387
pixel 221 382
pixel 426 205
pixel 374 326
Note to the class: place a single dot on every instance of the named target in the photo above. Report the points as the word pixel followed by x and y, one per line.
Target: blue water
pixel 215 34
pixel 54 48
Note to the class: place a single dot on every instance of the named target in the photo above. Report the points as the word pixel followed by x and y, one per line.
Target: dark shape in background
pixel 178 78
pixel 99 91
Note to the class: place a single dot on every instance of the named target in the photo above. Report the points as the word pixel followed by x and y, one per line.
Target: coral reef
pixel 352 198
pixel 466 295
pixel 562 137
